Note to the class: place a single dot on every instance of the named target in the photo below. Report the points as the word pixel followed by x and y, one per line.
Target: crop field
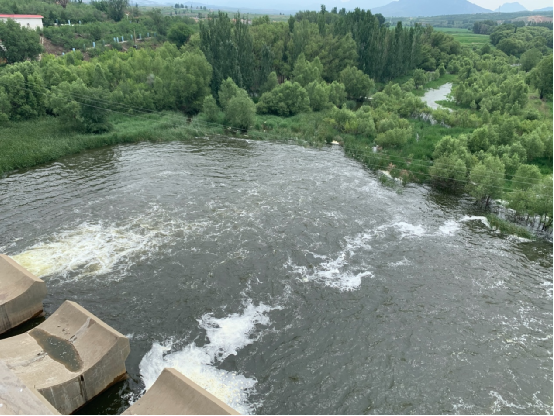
pixel 464 36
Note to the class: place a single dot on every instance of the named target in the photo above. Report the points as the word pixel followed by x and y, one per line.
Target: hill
pixel 511 8
pixel 414 8
pixel 544 9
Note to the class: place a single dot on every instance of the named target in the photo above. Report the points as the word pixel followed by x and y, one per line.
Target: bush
pixel 210 109
pixel 357 84
pixel 286 99
pixel 394 138
pixel 241 111
pixel 319 95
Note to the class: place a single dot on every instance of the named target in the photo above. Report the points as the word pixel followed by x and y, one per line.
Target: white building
pixel 30 21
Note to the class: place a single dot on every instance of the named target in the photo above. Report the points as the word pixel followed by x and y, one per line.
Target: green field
pixel 464 36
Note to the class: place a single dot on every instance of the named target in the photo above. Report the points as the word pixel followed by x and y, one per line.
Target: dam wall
pixel 16 398
pixel 69 358
pixel 175 394
pixel 21 294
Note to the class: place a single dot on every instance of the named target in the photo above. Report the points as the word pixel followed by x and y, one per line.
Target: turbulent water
pixel 288 280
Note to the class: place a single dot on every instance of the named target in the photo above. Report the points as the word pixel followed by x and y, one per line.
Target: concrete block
pixel 21 294
pixel 175 394
pixel 18 399
pixel 69 358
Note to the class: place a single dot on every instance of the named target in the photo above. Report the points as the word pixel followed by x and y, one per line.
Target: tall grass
pixel 31 143
pixel 507 227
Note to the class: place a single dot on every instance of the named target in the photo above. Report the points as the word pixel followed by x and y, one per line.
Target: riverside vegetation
pixel 319 77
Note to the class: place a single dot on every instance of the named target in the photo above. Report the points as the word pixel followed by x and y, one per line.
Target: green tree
pixel 19 43
pixel 356 84
pixel 534 145
pixel 306 72
pixel 83 113
pixel 338 53
pixel 271 82
pixel 287 99
pixel 541 77
pixel 116 9
pixel 25 90
pixel 396 137
pixel 4 106
pixel 486 179
pixel 448 146
pixel 529 59
pixel 227 91
pixel 319 95
pixel 420 77
pixel 542 203
pixel 241 111
pixel 179 34
pixel 449 172
pixel 210 109
pixel 526 176
pixel 337 93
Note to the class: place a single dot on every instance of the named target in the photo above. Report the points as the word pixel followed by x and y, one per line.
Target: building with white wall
pixel 30 21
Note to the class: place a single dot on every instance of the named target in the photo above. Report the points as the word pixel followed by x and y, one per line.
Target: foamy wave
pixel 410 230
pixel 226 336
pixel 95 249
pixel 449 227
pixel 334 272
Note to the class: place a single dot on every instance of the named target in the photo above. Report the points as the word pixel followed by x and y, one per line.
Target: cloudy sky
pixel 529 4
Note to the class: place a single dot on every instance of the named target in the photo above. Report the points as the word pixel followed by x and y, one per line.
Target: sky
pixel 528 4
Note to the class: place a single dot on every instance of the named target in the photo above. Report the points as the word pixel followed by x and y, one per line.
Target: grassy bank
pixel 507 227
pixel 31 143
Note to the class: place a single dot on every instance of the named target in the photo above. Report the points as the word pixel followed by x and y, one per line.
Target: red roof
pixel 21 16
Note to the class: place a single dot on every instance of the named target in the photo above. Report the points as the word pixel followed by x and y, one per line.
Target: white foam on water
pixel 95 249
pixel 449 227
pixel 226 336
pixel 410 230
pixel 484 220
pixel 334 272
pixel 403 262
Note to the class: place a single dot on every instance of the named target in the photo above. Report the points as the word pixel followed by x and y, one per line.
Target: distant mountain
pixel 544 9
pixel 414 8
pixel 511 8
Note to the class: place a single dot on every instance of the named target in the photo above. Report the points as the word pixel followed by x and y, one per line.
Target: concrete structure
pixel 174 394
pixel 18 399
pixel 21 294
pixel 69 358
pixel 30 21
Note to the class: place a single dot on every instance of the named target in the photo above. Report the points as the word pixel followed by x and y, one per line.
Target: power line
pixel 400 158
pixel 405 160
pixel 196 121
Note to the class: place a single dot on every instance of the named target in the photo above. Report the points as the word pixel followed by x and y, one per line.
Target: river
pixel 287 280
pixel 438 94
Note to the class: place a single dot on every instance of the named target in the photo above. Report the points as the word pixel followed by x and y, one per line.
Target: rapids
pixel 287 279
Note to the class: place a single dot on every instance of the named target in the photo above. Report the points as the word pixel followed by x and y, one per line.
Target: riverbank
pixel 31 143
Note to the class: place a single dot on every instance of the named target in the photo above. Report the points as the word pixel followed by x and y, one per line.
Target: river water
pixel 438 94
pixel 287 279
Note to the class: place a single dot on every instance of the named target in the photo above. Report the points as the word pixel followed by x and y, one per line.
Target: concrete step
pixel 18 399
pixel 21 294
pixel 69 358
pixel 175 394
